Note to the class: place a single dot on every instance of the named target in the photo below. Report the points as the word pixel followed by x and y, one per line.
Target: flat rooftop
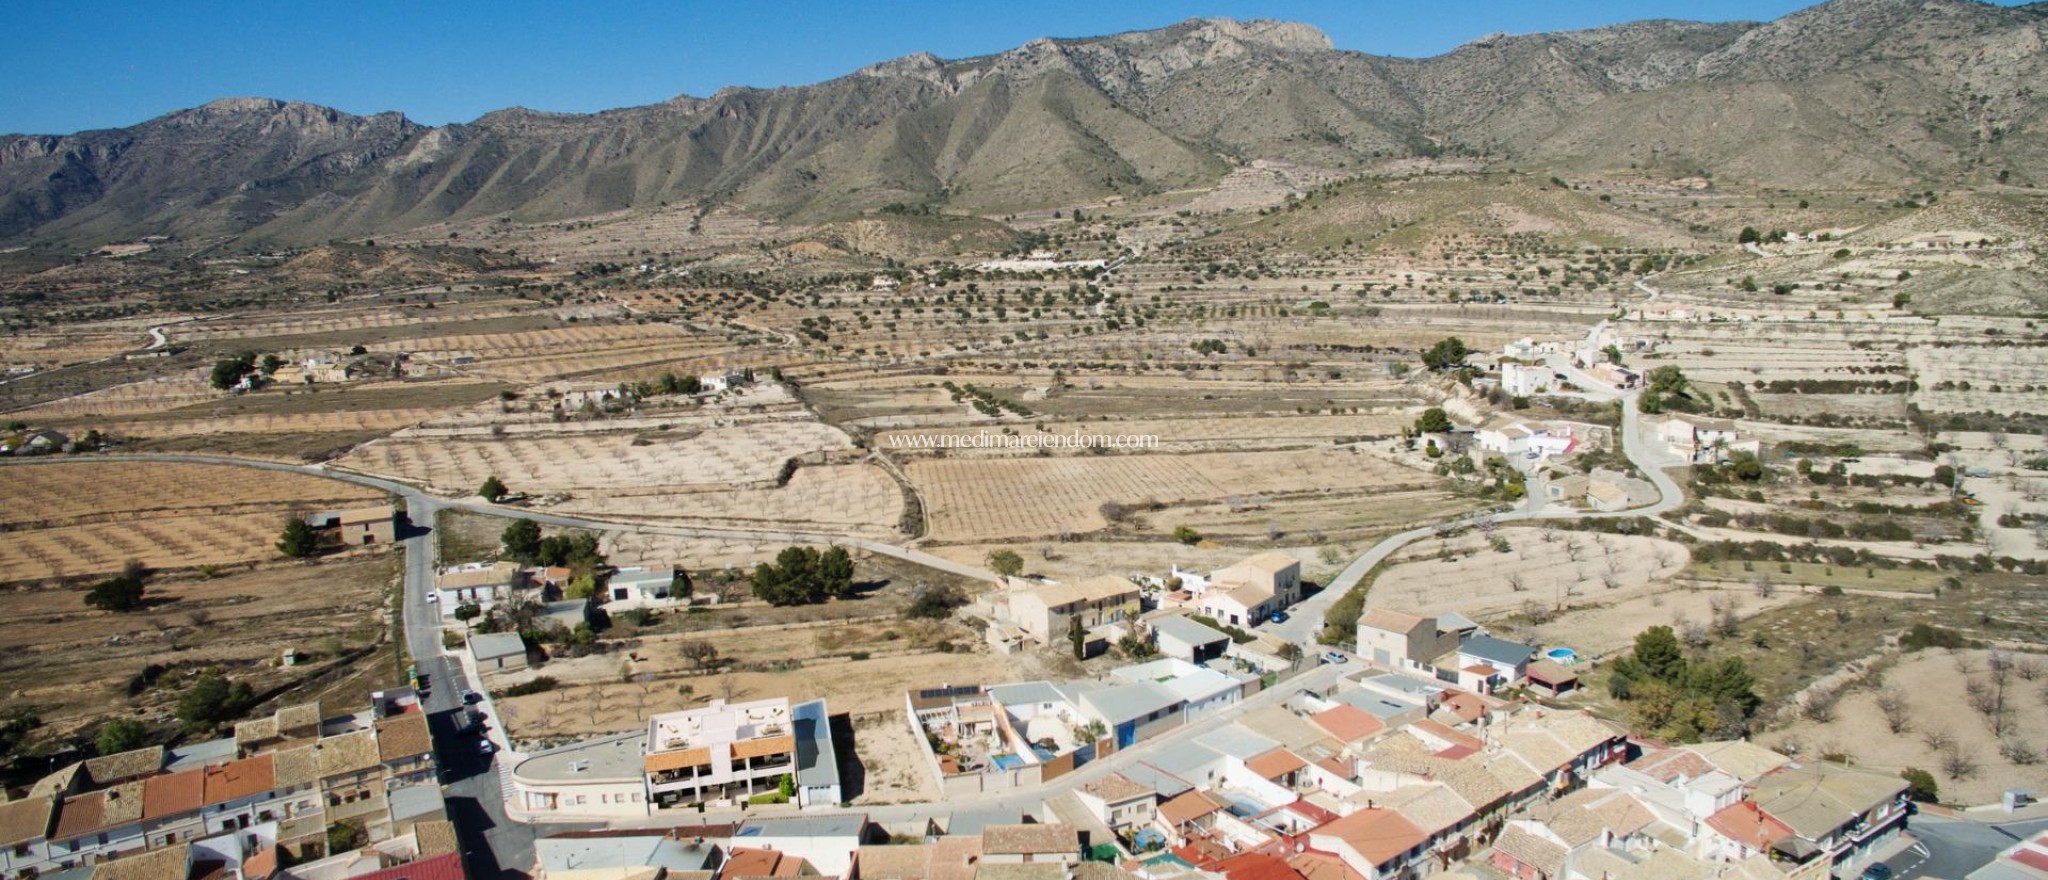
pixel 612 758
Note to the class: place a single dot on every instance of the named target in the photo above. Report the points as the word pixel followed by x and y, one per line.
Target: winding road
pixel 1305 619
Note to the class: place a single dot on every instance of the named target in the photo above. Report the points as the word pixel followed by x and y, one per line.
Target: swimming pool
pixel 1563 656
pixel 1006 761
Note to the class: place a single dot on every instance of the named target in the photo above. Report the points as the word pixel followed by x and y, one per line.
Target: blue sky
pixel 75 64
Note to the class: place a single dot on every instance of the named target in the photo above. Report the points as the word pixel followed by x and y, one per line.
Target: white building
pixel 483 584
pixel 631 588
pixel 723 751
pixel 1526 381
pixel 601 778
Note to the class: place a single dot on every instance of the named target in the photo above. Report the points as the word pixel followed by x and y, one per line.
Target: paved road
pixel 1305 619
pixel 1950 849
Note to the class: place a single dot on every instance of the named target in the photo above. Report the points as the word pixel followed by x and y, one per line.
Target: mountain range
pixel 1887 94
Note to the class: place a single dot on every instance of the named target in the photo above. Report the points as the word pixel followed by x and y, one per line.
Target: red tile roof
pixel 1188 807
pixel 1256 866
pixel 442 867
pixel 1348 723
pixel 1275 764
pixel 173 793
pixel 1746 823
pixel 1379 835
pixel 239 779
pixel 1318 865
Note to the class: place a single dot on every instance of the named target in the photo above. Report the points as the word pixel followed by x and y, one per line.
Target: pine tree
pixel 299 539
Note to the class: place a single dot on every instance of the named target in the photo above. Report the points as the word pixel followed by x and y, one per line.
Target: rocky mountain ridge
pixel 1868 93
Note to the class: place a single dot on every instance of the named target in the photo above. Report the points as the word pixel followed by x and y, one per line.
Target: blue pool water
pixel 1006 761
pixel 1564 656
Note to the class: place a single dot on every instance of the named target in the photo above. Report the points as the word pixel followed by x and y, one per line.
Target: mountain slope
pixel 1850 92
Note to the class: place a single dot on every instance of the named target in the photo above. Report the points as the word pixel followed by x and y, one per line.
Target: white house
pixel 1486 663
pixel 483 584
pixel 637 587
pixel 1118 802
pixel 1524 381
pixel 1247 605
pixel 720 751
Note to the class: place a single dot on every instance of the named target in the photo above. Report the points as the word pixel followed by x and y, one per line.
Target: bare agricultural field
pixel 1553 569
pixel 367 323
pixel 1934 686
pixel 1075 560
pixel 1851 406
pixel 695 554
pixel 1343 517
pixel 534 355
pixel 54 348
pixel 2005 379
pixel 735 456
pixel 375 421
pixel 154 395
pixel 79 518
pixel 1602 629
pixel 1214 432
pixel 1021 498
pixel 855 498
pixel 72 663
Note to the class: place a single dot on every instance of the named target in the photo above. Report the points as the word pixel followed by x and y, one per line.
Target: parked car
pixel 470 697
pixel 1335 657
pixel 433 598
pixel 1279 617
pixel 485 746
pixel 1879 871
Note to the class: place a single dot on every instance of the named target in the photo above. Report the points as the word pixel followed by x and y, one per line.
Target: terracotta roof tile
pixel 1275 764
pixel 295 767
pixel 1531 849
pixel 897 862
pixel 1191 805
pixel 403 736
pixel 26 819
pixel 676 760
pixel 754 748
pixel 155 864
pixel 1051 837
pixel 1379 835
pixel 1256 866
pixel 1115 788
pixel 347 753
pixel 1348 723
pixel 240 779
pixel 1746 824
pixel 172 794
pixel 435 837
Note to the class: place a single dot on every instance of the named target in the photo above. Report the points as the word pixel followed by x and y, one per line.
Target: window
pixel 580 800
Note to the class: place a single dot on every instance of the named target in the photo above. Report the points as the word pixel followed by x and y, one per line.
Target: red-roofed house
pixel 1256 866
pixel 1348 723
pixel 1190 814
pixel 442 867
pixel 241 793
pixel 1740 830
pixel 170 807
pixel 1279 766
pixel 1376 843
